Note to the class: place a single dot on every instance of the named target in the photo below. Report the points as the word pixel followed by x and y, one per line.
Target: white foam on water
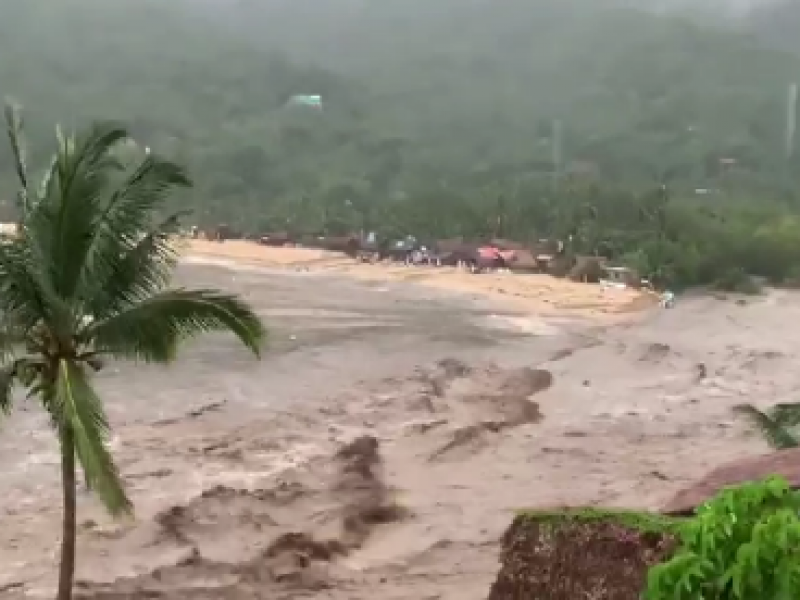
pixel 531 325
pixel 235 265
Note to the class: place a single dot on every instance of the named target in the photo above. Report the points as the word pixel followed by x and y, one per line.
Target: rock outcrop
pixel 581 553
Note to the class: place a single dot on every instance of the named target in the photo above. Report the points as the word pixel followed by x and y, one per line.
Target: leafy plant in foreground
pixel 86 279
pixel 742 545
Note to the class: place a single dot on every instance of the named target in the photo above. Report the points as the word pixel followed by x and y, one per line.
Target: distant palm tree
pixel 86 279
pixel 777 425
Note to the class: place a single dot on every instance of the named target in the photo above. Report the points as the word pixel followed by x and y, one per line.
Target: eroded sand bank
pixel 477 407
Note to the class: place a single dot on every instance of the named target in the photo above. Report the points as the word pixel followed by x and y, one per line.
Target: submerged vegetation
pixel 778 425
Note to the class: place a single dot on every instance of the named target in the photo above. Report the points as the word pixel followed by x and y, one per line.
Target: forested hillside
pixel 436 114
pixel 185 88
pixel 642 97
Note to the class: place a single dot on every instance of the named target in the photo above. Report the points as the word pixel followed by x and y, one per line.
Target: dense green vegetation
pixel 563 116
pixel 741 544
pixel 86 280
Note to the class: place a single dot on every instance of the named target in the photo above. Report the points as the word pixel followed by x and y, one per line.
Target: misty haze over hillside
pixel 415 91
pixel 326 24
pixel 723 7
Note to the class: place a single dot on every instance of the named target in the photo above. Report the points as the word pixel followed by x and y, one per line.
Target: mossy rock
pixel 581 553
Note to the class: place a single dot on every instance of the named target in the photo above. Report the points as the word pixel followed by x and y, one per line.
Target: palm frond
pixel 144 191
pixel 775 433
pixel 152 329
pixel 8 375
pixel 88 154
pixel 62 222
pixel 119 274
pixel 75 405
pixel 25 372
pixel 26 296
pixel 48 179
pixel 16 138
pixel 125 236
pixel 14 338
pixel 29 371
pixel 142 271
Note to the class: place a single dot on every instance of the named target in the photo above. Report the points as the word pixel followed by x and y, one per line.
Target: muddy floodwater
pixel 470 411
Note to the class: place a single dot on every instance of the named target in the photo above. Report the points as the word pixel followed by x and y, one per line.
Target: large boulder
pixel 581 553
pixel 785 463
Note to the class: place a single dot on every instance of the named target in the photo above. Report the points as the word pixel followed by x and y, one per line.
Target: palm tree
pixel 86 280
pixel 777 424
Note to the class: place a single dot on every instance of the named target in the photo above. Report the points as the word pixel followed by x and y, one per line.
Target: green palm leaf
pixel 774 431
pixel 76 406
pixel 12 338
pixel 138 271
pixel 62 223
pixel 14 128
pixel 7 379
pixel 48 180
pixel 151 329
pixel 26 294
pixel 125 236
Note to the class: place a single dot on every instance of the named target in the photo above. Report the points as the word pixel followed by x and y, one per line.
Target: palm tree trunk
pixel 67 567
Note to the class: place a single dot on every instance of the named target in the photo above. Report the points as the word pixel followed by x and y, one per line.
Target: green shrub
pixel 742 545
pixel 737 280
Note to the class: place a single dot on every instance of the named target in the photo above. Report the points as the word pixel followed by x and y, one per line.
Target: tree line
pixel 654 141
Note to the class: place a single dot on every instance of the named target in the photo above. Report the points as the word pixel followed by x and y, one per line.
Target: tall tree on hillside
pixel 86 279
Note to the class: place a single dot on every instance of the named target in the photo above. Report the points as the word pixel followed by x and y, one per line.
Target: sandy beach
pixel 539 294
